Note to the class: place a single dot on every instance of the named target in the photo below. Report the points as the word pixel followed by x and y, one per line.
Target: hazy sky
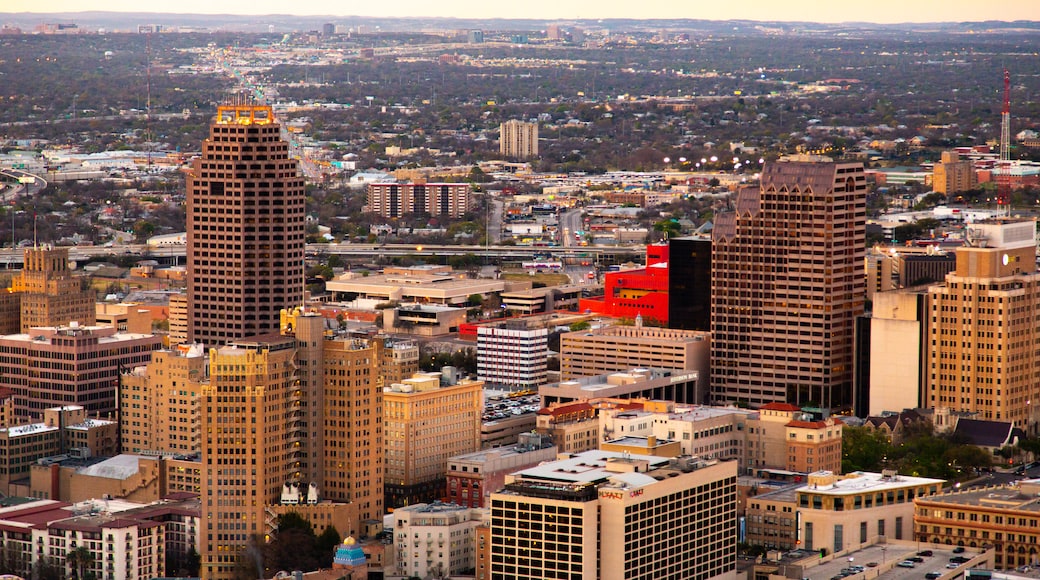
pixel 884 11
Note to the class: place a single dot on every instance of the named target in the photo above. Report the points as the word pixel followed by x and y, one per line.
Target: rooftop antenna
pixel 1003 173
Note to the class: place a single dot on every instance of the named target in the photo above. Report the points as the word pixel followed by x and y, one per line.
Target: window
pixel 863 532
pixel 881 527
pixel 899 528
pixel 839 537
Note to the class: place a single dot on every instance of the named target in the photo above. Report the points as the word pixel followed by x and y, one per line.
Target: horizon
pixel 882 12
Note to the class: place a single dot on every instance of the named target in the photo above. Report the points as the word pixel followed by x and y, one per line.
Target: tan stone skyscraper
pixel 518 140
pixel 50 294
pixel 982 327
pixel 245 228
pixel 787 285
pixel 250 445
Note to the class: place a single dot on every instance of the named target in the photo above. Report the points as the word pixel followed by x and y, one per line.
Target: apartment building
pixel 512 356
pixel 394 200
pixel 159 404
pixel 517 139
pixel 435 539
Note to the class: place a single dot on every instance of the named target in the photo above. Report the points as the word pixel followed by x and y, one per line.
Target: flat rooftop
pixel 586 467
pixel 864 481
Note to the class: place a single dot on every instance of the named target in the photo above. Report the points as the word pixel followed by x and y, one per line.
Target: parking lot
pixel 884 560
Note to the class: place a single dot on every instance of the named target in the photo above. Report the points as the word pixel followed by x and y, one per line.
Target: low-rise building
pixel 1005 517
pixel 637 383
pixel 472 477
pixel 423 319
pixel 435 540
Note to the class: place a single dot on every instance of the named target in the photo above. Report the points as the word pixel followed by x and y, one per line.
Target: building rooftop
pixel 586 467
pixel 826 483
pixel 118 467
pixel 1019 496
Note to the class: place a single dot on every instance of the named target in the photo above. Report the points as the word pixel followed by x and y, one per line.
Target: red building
pixel 640 292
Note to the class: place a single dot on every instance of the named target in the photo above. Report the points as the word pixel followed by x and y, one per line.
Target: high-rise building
pixel 178 319
pixel 159 407
pixel 391 200
pixel 91 359
pixel 787 285
pixel 518 140
pixel 245 228
pixel 953 175
pixel 607 515
pixel 983 330
pixel 512 356
pixel 250 445
pixel 689 283
pixel 424 424
pixel 50 295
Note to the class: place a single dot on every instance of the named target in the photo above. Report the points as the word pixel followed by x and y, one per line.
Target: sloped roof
pixel 985 433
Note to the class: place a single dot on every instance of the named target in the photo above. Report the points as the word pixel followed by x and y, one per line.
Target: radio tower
pixel 1003 172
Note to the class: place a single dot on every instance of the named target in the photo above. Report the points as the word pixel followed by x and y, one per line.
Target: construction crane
pixel 1003 168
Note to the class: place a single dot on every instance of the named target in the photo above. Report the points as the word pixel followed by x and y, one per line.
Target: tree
pixel 863 449
pixel 79 560
pixel 582 325
pixel 326 546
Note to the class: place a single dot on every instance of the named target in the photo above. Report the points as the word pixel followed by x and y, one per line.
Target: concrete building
pixel 891 268
pixel 394 200
pixel 518 140
pixel 607 516
pixel 245 228
pixel 638 293
pixel 983 322
pixel 159 402
pixel 472 477
pixel 417 285
pixel 1004 518
pixel 49 294
pixel 620 348
pixel 423 319
pixel 63 430
pixel 840 511
pixel 573 427
pixel 897 353
pixel 777 436
pixel 124 317
pixel 425 422
pixel 435 540
pixel 787 285
pixel 91 359
pixel 659 384
pixel 512 356
pixel 952 175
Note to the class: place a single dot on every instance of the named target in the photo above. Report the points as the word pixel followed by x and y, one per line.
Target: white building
pixel 512 356
pixel 437 539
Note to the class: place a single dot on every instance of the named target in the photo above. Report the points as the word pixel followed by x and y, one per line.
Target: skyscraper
pixel 787 285
pixel 983 331
pixel 245 228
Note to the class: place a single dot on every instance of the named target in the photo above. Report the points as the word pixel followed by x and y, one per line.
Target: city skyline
pixel 882 12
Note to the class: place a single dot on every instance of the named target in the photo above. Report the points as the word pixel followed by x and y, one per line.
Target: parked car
pixel 906 564
pixel 925 553
pixel 958 550
pixel 933 575
pixel 917 559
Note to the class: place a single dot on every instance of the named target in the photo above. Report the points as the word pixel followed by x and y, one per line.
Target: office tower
pixel 424 424
pixel 689 283
pixel 245 228
pixel 328 29
pixel 553 32
pixel 50 294
pixel 475 36
pixel 601 515
pixel 638 294
pixel 391 200
pixel 92 359
pixel 518 140
pixel 952 175
pixel 159 407
pixel 983 330
pixel 787 285
pixel 612 349
pixel 512 356
pixel 250 442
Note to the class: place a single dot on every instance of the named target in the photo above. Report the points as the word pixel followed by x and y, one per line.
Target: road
pixel 570 222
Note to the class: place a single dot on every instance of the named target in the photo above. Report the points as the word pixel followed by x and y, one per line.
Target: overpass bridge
pixel 172 255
